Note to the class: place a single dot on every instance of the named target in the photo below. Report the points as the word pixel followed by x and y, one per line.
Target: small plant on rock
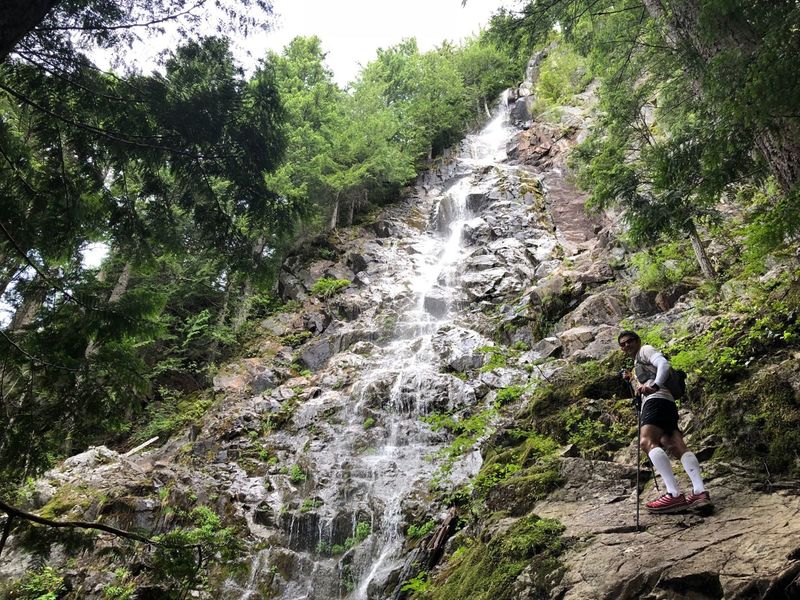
pixel 327 287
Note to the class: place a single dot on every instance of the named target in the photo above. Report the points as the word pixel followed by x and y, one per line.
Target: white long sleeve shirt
pixel 657 366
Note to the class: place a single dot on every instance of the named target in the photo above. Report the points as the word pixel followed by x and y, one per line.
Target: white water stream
pixel 375 485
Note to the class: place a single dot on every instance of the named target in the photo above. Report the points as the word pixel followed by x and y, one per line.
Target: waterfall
pixel 397 384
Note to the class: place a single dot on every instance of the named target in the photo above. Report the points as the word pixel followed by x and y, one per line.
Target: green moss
pixel 171 414
pixel 487 570
pixel 326 287
pixel 42 584
pixel 295 340
pixel 759 420
pixel 510 394
pixel 66 499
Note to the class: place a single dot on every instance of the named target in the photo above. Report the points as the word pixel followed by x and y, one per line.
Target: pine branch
pixel 15 513
pixel 167 18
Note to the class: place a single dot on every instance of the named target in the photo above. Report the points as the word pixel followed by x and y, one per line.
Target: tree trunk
pixel 780 147
pixel 243 310
pixel 335 214
pixel 116 295
pixel 17 18
pixel 34 297
pixel 778 141
pixel 700 253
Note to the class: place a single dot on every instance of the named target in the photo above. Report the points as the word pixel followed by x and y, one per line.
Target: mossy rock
pixel 521 491
pixel 759 420
pixel 487 570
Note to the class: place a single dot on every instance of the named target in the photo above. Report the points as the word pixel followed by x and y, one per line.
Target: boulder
pixel 598 309
pixel 458 348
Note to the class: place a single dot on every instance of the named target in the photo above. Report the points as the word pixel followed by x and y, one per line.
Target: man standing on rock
pixel 659 425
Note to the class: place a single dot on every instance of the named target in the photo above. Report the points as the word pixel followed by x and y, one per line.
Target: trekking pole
pixel 638 452
pixel 637 406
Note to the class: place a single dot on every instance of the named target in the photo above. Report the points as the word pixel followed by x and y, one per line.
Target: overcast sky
pixel 352 30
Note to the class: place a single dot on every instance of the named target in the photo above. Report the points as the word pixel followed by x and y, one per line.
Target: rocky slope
pixel 352 449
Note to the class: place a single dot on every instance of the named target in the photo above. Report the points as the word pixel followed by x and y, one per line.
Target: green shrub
pixel 326 287
pixel 420 583
pixel 416 532
pixel 296 474
pixel 562 74
pixel 202 527
pixel 510 394
pixel 661 266
pixel 43 584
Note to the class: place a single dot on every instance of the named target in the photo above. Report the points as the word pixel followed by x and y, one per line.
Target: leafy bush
pixel 659 267
pixel 44 584
pixel 415 532
pixel 562 74
pixel 204 528
pixel 296 474
pixel 326 287
pixel 510 394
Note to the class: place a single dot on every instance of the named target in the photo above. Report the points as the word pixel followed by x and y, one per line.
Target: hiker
pixel 659 425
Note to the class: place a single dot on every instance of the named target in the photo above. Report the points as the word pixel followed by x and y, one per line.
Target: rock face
pixel 353 416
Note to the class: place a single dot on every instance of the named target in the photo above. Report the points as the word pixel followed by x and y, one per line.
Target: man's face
pixel 630 346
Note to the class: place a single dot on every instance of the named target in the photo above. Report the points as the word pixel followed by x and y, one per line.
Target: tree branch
pixel 165 19
pixel 15 513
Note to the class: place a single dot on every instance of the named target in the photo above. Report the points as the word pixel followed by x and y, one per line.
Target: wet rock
pixel 476 231
pixel 576 339
pixel 482 284
pixel 357 262
pixel 384 229
pixel 544 348
pixel 436 303
pixel 281 324
pixel 249 374
pixel 503 377
pixel 458 348
pixel 316 322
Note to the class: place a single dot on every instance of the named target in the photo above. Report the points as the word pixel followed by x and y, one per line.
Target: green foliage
pixel 171 414
pixel 488 569
pixel 562 74
pixel 360 533
pixel 326 287
pixel 759 421
pixel 310 504
pixel 121 589
pixel 664 265
pixel 510 394
pixel 369 422
pixel 415 532
pixel 297 474
pixel 467 431
pixel 418 583
pixel 203 527
pixel 43 584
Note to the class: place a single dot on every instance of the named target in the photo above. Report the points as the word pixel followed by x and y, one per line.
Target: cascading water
pixel 366 490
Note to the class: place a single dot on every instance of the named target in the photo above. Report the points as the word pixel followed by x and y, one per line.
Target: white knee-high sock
pixel 660 461
pixel 692 468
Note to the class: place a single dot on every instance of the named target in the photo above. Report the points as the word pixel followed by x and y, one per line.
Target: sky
pixel 352 30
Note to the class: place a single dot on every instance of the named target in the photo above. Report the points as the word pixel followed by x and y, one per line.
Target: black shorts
pixel 662 413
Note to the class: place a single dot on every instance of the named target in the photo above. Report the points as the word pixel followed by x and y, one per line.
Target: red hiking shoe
pixel 699 500
pixel 667 504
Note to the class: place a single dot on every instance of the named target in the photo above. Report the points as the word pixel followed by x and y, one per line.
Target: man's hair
pixel 630 334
